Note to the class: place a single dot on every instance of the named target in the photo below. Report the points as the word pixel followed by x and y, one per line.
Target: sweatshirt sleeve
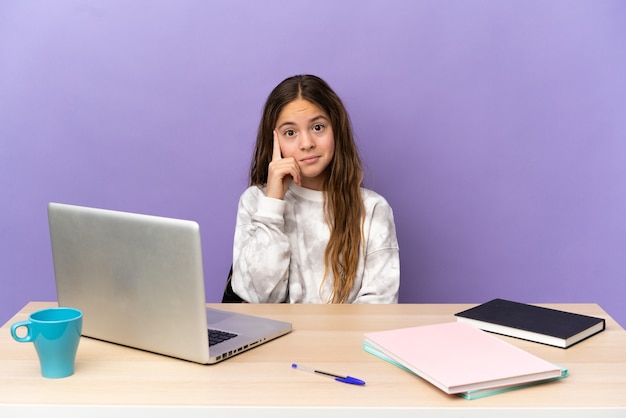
pixel 381 272
pixel 261 250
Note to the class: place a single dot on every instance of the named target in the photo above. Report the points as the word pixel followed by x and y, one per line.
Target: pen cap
pixel 351 380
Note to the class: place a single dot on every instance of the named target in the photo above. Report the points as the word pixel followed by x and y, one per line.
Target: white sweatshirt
pixel 279 246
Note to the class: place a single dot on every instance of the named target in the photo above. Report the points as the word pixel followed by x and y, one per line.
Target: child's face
pixel 306 135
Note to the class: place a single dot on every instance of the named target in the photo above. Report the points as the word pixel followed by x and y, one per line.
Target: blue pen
pixel 344 379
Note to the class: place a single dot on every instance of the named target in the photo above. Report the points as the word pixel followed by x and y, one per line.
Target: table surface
pixel 327 337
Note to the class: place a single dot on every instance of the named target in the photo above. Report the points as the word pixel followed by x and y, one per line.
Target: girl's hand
pixel 280 173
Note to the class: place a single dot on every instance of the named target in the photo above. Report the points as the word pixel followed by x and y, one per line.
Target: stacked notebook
pixel 461 359
pixel 531 322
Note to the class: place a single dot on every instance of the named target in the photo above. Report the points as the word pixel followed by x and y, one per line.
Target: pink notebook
pixel 457 357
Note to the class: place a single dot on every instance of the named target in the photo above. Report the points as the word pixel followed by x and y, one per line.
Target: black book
pixel 533 323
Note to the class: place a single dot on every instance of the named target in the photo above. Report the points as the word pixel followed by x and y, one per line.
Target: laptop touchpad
pixel 214 316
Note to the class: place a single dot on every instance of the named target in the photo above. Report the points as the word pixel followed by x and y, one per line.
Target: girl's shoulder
pixel 253 192
pixel 251 195
pixel 370 196
pixel 377 207
pixel 254 189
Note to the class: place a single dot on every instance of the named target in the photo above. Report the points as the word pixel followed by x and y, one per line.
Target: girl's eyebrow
pixel 315 119
pixel 282 125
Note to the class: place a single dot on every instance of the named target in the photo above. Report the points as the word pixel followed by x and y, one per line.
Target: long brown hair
pixel 343 204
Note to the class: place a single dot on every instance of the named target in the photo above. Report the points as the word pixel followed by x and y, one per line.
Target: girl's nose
pixel 306 142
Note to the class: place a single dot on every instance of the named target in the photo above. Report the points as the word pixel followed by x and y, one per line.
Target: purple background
pixel 496 129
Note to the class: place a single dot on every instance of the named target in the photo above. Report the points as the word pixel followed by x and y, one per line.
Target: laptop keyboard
pixel 216 336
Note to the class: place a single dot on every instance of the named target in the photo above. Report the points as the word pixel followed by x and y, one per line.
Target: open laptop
pixel 139 281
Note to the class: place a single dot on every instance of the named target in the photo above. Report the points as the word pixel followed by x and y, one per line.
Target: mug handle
pixel 27 338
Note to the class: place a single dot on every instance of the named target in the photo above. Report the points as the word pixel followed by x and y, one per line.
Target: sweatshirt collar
pixel 307 194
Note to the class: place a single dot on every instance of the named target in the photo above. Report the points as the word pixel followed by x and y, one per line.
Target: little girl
pixel 307 232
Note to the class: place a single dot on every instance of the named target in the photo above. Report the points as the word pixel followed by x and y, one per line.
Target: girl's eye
pixel 290 132
pixel 318 128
